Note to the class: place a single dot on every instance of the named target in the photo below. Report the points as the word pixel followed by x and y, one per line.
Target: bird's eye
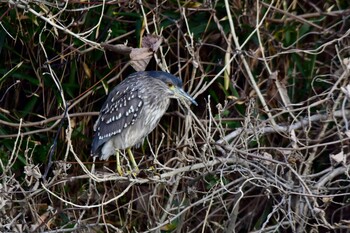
pixel 170 84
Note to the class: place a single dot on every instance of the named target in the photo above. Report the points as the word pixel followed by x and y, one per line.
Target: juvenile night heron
pixel 132 110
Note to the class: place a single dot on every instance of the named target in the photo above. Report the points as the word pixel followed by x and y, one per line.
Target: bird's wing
pixel 120 110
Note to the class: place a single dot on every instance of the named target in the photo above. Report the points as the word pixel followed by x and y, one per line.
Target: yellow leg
pixel 119 168
pixel 132 160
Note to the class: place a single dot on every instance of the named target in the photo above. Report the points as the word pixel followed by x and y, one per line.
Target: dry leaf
pixel 151 41
pixel 119 48
pixel 140 58
pixel 282 90
pixel 87 70
pixel 339 158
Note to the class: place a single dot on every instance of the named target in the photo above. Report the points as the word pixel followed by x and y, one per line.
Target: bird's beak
pixel 182 95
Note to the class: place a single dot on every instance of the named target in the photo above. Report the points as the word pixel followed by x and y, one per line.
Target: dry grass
pixel 266 151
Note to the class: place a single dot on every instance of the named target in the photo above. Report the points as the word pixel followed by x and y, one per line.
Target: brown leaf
pixel 119 48
pixel 140 58
pixel 151 41
pixel 87 70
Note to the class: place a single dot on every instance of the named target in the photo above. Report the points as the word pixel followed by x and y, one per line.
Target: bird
pixel 132 110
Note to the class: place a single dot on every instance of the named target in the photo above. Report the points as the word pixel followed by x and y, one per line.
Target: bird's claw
pixel 134 172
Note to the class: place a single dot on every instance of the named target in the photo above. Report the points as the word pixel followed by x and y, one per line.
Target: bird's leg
pixel 132 159
pixel 119 168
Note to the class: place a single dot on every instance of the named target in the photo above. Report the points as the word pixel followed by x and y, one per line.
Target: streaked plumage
pixel 133 109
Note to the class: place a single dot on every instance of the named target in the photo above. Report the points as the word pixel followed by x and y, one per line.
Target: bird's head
pixel 173 85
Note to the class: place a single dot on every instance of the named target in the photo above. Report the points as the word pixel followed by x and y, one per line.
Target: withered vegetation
pixel 266 150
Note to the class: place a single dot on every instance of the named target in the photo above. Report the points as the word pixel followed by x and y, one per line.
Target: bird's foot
pixel 134 172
